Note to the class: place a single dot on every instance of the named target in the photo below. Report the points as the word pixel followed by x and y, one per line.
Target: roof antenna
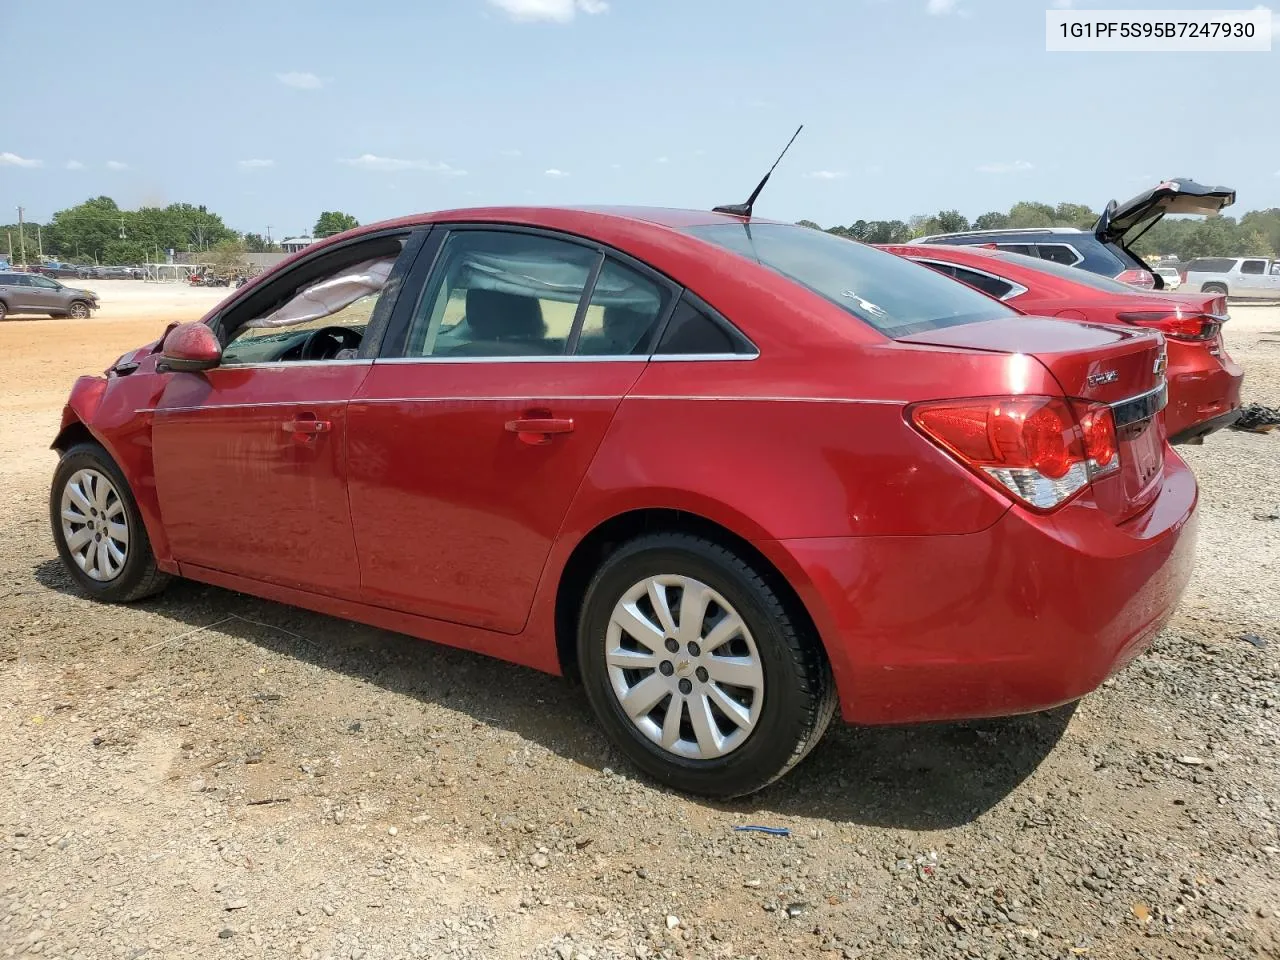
pixel 744 209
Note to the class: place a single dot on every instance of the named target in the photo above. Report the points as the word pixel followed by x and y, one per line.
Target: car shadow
pixel 920 777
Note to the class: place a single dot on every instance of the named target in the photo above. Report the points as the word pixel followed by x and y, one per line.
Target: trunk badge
pixel 1162 360
pixel 1106 376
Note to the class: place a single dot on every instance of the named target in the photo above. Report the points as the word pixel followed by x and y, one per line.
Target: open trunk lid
pixel 1120 367
pixel 1119 220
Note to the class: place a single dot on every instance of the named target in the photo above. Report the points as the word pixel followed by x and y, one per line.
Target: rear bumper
pixel 1031 613
pixel 1204 395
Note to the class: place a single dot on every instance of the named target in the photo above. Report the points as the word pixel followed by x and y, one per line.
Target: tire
pixel 102 576
pixel 79 310
pixel 4 310
pixel 785 715
pixel 1219 288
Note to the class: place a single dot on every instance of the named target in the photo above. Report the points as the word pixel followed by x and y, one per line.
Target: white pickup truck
pixel 1243 278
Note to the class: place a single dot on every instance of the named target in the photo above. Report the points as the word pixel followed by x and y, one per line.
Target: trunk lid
pixel 1146 209
pixel 1117 366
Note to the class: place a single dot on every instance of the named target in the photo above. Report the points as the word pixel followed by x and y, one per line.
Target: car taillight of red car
pixel 1176 326
pixel 1041 450
pixel 1143 279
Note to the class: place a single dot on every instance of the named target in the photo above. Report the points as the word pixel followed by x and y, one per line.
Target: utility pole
pixel 268 235
pixel 9 234
pixel 22 242
pixel 40 240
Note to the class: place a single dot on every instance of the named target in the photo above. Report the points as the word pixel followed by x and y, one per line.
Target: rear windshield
pixel 1074 274
pixel 888 292
pixel 1211 265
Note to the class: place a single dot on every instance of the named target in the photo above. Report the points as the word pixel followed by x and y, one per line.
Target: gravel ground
pixel 209 775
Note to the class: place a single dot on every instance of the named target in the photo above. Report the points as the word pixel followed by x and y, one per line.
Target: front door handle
pixel 305 429
pixel 538 430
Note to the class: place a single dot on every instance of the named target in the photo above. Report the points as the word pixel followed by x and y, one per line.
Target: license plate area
pixel 1141 458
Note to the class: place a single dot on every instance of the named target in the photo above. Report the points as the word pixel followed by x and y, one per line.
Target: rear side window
pixel 889 293
pixel 1075 275
pixel 694 331
pixel 1023 248
pixel 1253 266
pixel 1210 265
pixel 1059 253
pixel 987 284
pixel 623 314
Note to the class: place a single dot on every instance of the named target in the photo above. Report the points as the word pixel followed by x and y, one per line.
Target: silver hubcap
pixel 684 667
pixel 94 525
pixel 79 310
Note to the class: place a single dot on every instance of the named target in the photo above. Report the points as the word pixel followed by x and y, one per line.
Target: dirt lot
pixel 209 775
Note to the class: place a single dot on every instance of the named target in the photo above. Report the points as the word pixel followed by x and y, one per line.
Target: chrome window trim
pixel 1016 289
pixel 290 364
pixel 535 358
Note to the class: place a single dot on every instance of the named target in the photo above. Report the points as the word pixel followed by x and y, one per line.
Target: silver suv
pixel 32 293
pixel 1244 278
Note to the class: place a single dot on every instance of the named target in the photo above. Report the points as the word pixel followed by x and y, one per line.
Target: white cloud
pixel 116 165
pixel 376 164
pixel 662 160
pixel 300 80
pixel 74 165
pixel 13 160
pixel 940 8
pixel 826 175
pixel 555 11
pixel 254 164
pixel 1275 22
pixel 1006 166
pixel 553 172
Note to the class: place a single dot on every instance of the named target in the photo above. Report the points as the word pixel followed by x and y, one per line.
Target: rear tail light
pixel 1177 326
pixel 1138 278
pixel 1182 276
pixel 1042 450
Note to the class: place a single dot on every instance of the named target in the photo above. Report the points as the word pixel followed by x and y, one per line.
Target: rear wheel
pixel 3 310
pixel 1218 288
pixel 696 668
pixel 98 530
pixel 78 309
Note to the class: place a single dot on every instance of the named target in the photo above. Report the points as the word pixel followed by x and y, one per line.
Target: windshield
pixel 888 292
pixel 1074 274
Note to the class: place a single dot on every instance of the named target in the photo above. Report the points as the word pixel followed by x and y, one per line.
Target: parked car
pixel 32 293
pixel 1171 277
pixel 1245 278
pixel 1204 382
pixel 732 473
pixel 57 270
pixel 118 273
pixel 1104 250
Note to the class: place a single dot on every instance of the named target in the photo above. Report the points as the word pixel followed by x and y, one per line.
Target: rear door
pixel 1253 281
pixel 475 428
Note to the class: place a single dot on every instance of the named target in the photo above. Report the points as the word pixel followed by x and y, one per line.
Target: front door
pixel 471 435
pixel 251 457
pixel 44 294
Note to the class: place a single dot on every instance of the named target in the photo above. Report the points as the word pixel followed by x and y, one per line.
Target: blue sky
pixel 384 107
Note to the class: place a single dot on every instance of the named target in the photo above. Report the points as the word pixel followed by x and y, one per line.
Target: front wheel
pixel 98 530
pixel 78 310
pixel 697 669
pixel 3 310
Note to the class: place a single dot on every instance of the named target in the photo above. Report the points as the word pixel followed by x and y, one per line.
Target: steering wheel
pixel 326 342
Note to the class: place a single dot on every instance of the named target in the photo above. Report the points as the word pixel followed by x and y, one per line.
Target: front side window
pixel 889 293
pixel 1253 266
pixel 319 311
pixel 45 282
pixel 500 294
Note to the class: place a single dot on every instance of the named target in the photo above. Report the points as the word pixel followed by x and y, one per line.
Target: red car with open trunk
pixel 733 473
pixel 1204 382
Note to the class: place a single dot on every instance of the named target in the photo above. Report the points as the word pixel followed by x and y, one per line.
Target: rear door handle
pixel 538 430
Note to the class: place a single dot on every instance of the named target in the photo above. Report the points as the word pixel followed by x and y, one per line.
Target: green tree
pixel 228 256
pixel 1074 215
pixel 992 221
pixel 331 222
pixel 808 223
pixel 256 243
pixel 1030 214
pixel 951 221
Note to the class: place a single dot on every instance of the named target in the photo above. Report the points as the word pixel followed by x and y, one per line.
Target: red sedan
pixel 731 472
pixel 1204 382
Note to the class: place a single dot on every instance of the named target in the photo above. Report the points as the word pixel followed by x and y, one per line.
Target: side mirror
pixel 189 347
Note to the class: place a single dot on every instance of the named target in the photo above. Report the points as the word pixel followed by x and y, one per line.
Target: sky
pixel 382 108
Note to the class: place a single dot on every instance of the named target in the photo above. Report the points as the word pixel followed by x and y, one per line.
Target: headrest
pixel 494 315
